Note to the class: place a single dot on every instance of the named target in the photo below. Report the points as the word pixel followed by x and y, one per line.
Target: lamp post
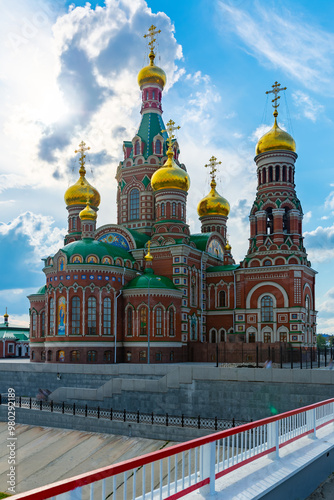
pixel 148 279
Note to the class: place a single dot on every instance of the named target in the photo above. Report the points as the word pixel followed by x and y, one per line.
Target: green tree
pixel 321 341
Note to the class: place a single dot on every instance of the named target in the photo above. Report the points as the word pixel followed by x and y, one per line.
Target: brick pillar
pixel 261 226
pixel 278 225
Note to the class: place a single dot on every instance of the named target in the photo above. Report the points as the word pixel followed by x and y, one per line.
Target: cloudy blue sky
pixel 69 72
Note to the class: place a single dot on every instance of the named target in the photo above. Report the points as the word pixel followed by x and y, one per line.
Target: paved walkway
pixel 46 455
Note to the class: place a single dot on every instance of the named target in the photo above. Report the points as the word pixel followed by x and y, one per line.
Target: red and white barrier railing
pixel 176 471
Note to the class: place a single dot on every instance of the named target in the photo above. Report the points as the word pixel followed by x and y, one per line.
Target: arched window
pixel 146 94
pixel 174 209
pixel 158 322
pixel 290 175
pixel 129 322
pixel 182 211
pixel 49 355
pixel 107 316
pixel 142 356
pixel 153 94
pixel 33 324
pixel 43 356
pixel 137 148
pixel 267 310
pixel 222 299
pixel 128 356
pixel 43 324
pixel 270 221
pixel 193 295
pixel 284 173
pixel 134 204
pixel 74 223
pixel 162 210
pixel 158 356
pixel 52 317
pixel 286 221
pixel 283 337
pixel 277 173
pixel 251 338
pixel 143 321
pixel 171 356
pixel 107 356
pixel 75 356
pixel 213 337
pixel 270 174
pixel 307 306
pixel 75 326
pixel 32 355
pixel 171 322
pixel 158 147
pixel 91 356
pixel 264 176
pixel 91 316
pixel 267 337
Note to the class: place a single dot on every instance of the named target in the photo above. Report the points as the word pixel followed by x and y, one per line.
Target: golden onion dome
pixel 88 213
pixel 213 203
pixel 275 139
pixel 81 192
pixel 170 176
pixel 152 74
pixel 228 247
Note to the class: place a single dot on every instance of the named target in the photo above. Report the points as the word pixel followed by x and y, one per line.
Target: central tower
pixel 146 152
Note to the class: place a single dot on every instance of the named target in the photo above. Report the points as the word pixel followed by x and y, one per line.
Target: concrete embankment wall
pixel 104 426
pixel 241 393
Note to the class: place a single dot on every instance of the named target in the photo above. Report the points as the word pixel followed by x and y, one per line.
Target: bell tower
pixel 276 275
pixel 276 216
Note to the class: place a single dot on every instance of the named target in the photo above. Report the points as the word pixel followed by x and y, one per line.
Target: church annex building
pixel 145 289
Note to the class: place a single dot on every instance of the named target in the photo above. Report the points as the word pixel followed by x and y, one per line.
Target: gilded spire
pixel 213 169
pixel 276 88
pixel 148 256
pixel 170 129
pixel 152 31
pixel 77 194
pixel 82 159
pixel 276 138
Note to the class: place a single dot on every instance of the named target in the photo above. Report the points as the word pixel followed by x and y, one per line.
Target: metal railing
pixel 124 415
pixel 177 471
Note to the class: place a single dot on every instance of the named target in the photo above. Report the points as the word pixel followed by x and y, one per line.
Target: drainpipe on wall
pixel 235 300
pixel 115 316
pixel 201 295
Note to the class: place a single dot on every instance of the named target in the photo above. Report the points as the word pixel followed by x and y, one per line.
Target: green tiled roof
pixel 86 247
pixel 149 277
pixel 151 125
pixel 41 291
pixel 216 269
pixel 140 238
pixel 200 240
pixel 13 332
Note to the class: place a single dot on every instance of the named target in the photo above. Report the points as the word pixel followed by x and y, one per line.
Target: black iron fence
pixel 124 415
pixel 281 356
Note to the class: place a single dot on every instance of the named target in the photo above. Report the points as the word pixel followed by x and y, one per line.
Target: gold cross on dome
pixel 276 88
pixel 151 32
pixel 82 150
pixel 170 129
pixel 213 166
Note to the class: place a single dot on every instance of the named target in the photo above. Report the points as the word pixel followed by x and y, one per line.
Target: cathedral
pixel 146 290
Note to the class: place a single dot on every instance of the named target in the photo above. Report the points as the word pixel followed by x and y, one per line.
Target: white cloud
pixel 41 236
pixel 320 243
pixel 303 51
pixel 307 216
pixel 308 106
